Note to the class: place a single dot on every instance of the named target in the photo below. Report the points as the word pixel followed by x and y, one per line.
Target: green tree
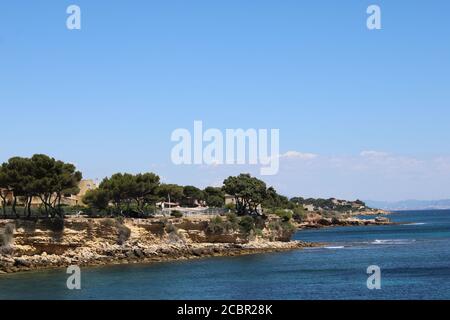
pixel 214 197
pixel 249 193
pixel 273 200
pixel 172 192
pixel 247 224
pixel 129 193
pixel 145 190
pixel 192 194
pixel 121 188
pixel 43 177
pixel 18 172
pixel 4 187
pixel 97 199
pixel 299 214
pixel 51 180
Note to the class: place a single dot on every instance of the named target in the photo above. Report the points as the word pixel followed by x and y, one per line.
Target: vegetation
pixel 176 214
pixel 330 204
pixel 191 195
pixel 248 192
pixel 97 199
pixel 247 224
pixel 39 176
pixel 281 229
pixel 218 225
pixel 274 200
pixel 299 214
pixel 23 180
pixel 284 214
pixel 7 236
pixel 214 197
pixel 124 234
pixel 171 192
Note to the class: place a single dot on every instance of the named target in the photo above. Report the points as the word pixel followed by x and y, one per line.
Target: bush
pixel 123 231
pixel 282 229
pixel 176 214
pixel 124 234
pixel 258 232
pixel 7 236
pixel 247 224
pixel 232 217
pixel 285 215
pixel 231 207
pixel 97 199
pixel 108 223
pixel 169 227
pixel 55 224
pixel 120 220
pixel 216 226
pixel 299 214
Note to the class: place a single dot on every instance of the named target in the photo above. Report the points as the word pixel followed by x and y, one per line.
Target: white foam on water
pixel 393 241
pixel 336 247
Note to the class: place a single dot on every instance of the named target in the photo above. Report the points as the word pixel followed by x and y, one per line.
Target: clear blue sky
pixel 107 97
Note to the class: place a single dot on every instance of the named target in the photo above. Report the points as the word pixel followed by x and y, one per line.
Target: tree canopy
pixel 39 176
pixel 214 197
pixel 127 192
pixel 249 193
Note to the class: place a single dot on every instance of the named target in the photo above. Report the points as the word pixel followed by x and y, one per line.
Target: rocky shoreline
pixel 317 222
pixel 131 255
pixel 135 255
pixel 85 241
pixel 93 242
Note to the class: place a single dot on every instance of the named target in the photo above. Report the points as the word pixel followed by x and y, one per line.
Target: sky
pixel 362 113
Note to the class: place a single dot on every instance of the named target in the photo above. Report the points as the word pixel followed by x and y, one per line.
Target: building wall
pixel 84 185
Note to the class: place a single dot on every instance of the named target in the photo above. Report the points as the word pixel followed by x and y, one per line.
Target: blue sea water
pixel 414 257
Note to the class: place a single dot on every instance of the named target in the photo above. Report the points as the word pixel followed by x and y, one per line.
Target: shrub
pixel 55 224
pixel 247 224
pixel 97 199
pixel 169 227
pixel 260 222
pixel 176 214
pixel 288 227
pixel 120 220
pixel 232 217
pixel 281 229
pixel 216 226
pixel 299 214
pixel 108 223
pixel 231 207
pixel 123 231
pixel 258 232
pixel 124 234
pixel 285 215
pixel 8 235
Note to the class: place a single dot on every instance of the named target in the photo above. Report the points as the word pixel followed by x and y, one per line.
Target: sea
pixel 412 256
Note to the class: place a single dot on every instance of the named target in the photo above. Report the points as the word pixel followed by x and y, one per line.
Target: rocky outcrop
pixel 86 241
pixel 316 221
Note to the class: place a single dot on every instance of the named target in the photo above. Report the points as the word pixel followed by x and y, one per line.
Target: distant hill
pixel 410 204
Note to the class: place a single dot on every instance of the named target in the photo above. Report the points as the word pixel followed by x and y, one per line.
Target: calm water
pixel 414 258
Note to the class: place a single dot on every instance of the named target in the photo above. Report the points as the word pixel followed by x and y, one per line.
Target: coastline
pixel 94 242
pixel 138 256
